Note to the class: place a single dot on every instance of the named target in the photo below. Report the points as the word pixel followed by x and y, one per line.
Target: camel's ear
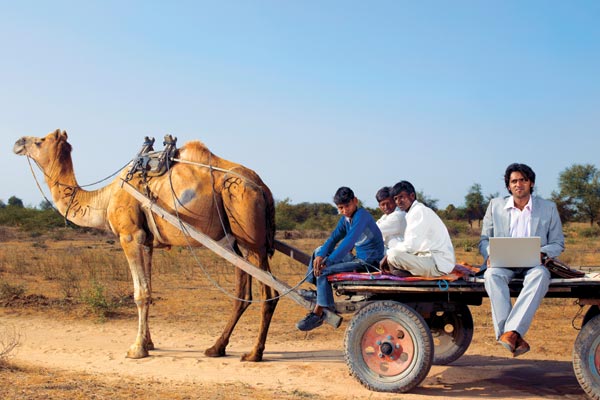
pixel 65 136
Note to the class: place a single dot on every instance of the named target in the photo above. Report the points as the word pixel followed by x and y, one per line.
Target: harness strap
pixel 152 224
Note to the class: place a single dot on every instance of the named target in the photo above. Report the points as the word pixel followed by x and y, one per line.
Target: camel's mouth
pixel 19 147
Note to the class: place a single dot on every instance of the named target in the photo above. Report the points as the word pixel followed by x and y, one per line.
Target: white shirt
pixel 426 234
pixel 392 227
pixel 520 220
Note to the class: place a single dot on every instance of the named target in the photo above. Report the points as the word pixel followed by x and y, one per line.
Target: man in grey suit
pixel 519 215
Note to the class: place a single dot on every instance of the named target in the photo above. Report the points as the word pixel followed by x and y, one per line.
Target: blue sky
pixel 312 95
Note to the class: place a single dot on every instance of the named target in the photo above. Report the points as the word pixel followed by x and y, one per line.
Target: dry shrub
pixel 9 340
pixel 5 234
pixel 10 292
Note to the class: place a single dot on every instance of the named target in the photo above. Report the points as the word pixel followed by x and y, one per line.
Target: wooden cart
pixel 398 330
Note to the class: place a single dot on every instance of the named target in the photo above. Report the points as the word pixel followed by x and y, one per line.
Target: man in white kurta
pixel 392 223
pixel 426 249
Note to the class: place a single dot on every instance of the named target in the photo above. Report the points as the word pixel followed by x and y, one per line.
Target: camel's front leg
pixel 148 251
pixel 135 251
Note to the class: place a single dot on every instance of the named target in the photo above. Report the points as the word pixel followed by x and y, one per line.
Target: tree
pixel 45 205
pixel 580 190
pixel 2 204
pixel 15 202
pixel 491 196
pixel 428 201
pixel 564 205
pixel 452 212
pixel 475 204
pixel 305 215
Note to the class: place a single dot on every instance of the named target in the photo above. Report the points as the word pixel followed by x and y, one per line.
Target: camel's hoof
pixel 149 346
pixel 251 357
pixel 137 352
pixel 214 352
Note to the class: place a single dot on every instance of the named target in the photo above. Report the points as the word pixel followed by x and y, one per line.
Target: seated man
pixel 392 223
pixel 426 249
pixel 519 215
pixel 357 230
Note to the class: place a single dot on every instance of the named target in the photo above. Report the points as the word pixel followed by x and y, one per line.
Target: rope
pixel 38 183
pixel 75 188
pixel 577 314
pixel 443 284
pixel 176 201
pixel 231 171
pixel 190 246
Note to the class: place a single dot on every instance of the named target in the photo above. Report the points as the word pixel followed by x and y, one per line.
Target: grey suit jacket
pixel 545 223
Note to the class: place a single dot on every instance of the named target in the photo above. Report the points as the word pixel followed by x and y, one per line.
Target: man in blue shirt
pixel 355 230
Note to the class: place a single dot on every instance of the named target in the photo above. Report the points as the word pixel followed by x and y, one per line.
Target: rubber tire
pixel 418 332
pixel 591 313
pixel 451 345
pixel 585 357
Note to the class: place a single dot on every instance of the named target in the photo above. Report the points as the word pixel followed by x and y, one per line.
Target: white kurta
pixel 392 227
pixel 426 233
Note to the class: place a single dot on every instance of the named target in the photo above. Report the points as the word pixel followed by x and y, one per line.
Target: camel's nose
pixel 19 147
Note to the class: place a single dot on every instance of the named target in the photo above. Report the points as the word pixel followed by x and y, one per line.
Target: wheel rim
pixel 444 330
pixel 387 348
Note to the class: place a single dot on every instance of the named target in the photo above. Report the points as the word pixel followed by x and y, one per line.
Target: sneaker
pixel 310 322
pixel 310 295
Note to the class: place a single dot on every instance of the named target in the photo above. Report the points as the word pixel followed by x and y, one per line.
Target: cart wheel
pixel 388 347
pixel 591 313
pixel 452 332
pixel 586 358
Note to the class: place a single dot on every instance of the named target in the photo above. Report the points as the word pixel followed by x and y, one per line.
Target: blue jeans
pixel 324 292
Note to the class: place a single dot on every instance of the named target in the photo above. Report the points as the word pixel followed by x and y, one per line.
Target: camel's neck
pixel 83 208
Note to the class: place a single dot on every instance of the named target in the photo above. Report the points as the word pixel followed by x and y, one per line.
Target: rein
pixel 74 188
pixel 37 182
pixel 176 202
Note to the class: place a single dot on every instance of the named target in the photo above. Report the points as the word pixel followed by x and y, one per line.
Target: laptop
pixel 509 252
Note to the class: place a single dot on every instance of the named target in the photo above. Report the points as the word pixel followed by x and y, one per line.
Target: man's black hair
pixel 523 169
pixel 343 195
pixel 383 193
pixel 402 186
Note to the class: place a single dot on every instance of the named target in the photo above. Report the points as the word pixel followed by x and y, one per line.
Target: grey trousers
pixel 517 317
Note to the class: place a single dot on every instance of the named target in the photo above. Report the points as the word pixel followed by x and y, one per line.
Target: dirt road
pixel 309 368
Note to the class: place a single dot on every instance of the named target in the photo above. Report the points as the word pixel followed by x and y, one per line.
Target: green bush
pixel 456 228
pixel 30 219
pixel 95 298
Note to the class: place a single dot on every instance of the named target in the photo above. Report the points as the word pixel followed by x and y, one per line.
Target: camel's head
pixel 43 150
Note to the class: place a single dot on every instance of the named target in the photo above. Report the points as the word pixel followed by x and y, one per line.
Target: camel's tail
pixel 270 223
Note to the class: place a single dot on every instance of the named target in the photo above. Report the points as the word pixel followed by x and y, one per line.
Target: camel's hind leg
pixel 249 209
pixel 243 291
pixel 269 297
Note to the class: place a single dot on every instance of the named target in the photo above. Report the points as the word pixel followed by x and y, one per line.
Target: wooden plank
pixel 292 252
pixel 263 276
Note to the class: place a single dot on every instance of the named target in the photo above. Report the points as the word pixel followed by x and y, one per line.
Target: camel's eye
pixel 39 142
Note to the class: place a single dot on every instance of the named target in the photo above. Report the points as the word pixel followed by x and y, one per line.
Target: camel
pixel 226 202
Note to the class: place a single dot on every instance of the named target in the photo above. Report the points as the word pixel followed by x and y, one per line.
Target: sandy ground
pixel 312 369
pixel 69 354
